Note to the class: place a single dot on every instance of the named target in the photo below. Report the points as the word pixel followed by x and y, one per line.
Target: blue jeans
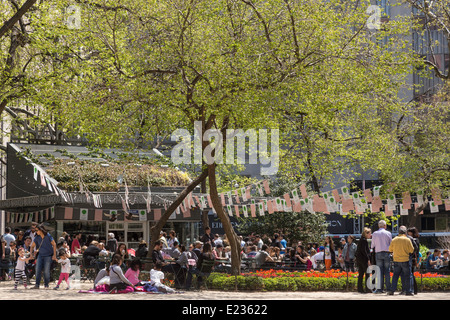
pixel 384 262
pixel 402 269
pixel 43 263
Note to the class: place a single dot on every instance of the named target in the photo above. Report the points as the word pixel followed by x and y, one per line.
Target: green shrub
pixel 221 281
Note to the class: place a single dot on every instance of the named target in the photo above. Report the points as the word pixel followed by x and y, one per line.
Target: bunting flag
pixel 261 208
pixel 345 193
pixel 270 206
pixel 243 194
pixel 297 206
pixel 125 207
pixel 420 199
pixel 347 205
pixel 230 199
pixel 388 212
pixel 336 195
pixel 266 187
pixel 229 210
pixel 406 201
pixel 319 204
pixel 68 213
pixel 43 183
pixel 236 210
pixel 253 210
pixel 208 197
pixel 416 205
pixel 143 215
pixel 391 202
pixel 377 204
pixel 97 200
pixel 245 210
pixel 35 172
pixel 248 193
pixel 157 214
pixel 403 210
pixel 278 204
pixel 376 191
pixel 436 196
pixel 287 198
pixel 187 213
pixel 368 195
pixel 260 189
pixel 447 204
pixel 98 215
pixel 303 191
pixel 84 214
pixel 295 195
pixel 237 196
pixel 148 199
pixel 433 207
pixel 306 204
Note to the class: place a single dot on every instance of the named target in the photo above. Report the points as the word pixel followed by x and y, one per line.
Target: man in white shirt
pixel 381 240
pixel 8 237
pixel 217 240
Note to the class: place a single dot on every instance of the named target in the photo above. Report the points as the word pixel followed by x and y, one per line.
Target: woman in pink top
pixel 133 271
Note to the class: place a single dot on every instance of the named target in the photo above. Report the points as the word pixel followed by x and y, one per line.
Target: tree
pixel 310 68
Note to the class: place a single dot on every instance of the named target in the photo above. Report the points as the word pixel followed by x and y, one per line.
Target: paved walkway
pixel 7 293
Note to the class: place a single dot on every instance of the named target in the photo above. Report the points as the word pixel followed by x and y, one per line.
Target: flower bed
pixel 331 280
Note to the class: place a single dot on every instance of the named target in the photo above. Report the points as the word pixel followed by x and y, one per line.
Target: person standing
pixel 46 252
pixel 381 239
pixel 65 269
pixel 19 272
pixel 329 253
pixel 76 247
pixel 31 232
pixel 402 248
pixel 208 237
pixel 362 256
pixel 348 253
pixel 413 235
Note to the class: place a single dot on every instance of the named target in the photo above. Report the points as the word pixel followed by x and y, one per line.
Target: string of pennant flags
pixel 245 202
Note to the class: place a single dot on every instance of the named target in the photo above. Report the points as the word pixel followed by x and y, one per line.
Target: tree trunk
pixel 16 17
pixel 224 218
pixel 413 218
pixel 156 229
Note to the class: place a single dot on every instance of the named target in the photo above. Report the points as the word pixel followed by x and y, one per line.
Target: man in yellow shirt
pixel 401 247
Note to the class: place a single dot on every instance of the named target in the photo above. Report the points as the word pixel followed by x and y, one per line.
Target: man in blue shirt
pixel 433 260
pixel 46 250
pixel 8 237
pixel 381 240
pixel 283 243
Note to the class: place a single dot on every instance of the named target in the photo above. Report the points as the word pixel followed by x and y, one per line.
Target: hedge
pixel 226 282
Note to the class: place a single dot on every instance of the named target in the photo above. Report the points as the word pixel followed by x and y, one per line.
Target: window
pixel 428 224
pixel 385 7
pixel 441 223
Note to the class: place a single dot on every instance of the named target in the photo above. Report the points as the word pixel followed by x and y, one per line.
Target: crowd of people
pixel 36 253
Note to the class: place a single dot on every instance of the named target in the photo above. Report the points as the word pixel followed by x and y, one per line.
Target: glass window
pixel 441 223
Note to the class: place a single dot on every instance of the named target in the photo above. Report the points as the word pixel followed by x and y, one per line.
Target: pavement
pixel 7 293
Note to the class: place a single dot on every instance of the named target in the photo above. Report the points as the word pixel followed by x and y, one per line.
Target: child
pixel 65 269
pixel 20 269
pixel 132 273
pixel 156 275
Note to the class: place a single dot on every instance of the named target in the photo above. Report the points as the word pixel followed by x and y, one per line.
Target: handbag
pixel 37 251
